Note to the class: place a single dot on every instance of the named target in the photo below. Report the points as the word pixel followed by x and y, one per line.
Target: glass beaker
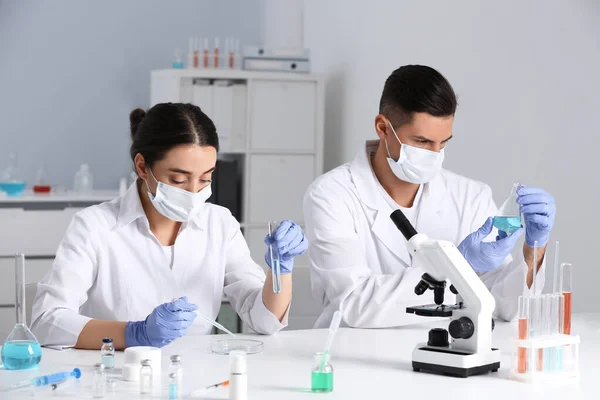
pixel 274 254
pixel 20 350
pixel 508 218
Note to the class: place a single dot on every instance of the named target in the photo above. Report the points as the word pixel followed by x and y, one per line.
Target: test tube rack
pixel 546 359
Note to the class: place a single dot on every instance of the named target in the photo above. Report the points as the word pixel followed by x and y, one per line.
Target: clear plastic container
pixel 548 359
pixel 508 217
pixel 226 346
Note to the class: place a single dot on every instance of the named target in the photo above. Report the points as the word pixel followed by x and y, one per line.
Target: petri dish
pixel 225 346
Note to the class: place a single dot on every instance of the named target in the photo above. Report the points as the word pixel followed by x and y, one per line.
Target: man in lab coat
pixel 358 258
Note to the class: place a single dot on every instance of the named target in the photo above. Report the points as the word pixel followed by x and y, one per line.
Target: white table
pixel 369 364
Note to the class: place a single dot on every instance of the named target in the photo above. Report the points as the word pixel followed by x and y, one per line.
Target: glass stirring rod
pixel 274 254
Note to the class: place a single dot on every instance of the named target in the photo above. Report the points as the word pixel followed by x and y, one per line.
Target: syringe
pixel 45 380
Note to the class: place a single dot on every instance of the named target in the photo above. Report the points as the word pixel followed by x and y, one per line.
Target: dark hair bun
pixel 135 118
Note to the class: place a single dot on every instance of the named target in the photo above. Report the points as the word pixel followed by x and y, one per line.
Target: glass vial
pixel 146 377
pixel 176 370
pixel 107 353
pixel 99 381
pixel 322 374
pixel 174 391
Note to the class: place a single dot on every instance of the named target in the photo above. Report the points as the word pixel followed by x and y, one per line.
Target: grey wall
pixel 527 76
pixel 71 71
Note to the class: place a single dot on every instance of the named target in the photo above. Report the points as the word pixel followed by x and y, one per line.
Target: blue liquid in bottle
pixel 507 224
pixel 21 354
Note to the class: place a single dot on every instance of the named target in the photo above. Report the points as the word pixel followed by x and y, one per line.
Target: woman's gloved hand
pixel 486 256
pixel 165 323
pixel 539 212
pixel 290 241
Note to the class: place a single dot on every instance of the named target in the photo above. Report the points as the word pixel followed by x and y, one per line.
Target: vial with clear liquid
pixel 21 349
pixel 146 377
pixel 107 353
pixel 508 218
pixel 322 375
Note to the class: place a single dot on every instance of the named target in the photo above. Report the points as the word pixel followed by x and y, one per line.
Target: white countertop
pixel 96 196
pixel 368 364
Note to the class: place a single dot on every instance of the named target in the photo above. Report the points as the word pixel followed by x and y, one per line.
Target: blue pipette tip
pixel 76 373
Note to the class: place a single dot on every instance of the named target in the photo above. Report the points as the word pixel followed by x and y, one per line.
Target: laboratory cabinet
pixel 271 124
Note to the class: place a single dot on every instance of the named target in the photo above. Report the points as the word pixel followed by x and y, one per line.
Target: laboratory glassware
pixel 176 371
pixel 146 377
pixel 21 349
pixel 107 353
pixel 566 288
pixel 322 373
pixel 227 346
pixel 508 217
pixel 99 381
pixel 275 257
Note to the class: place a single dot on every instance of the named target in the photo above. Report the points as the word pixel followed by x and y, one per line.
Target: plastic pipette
pixel 46 380
pixel 213 323
pixel 333 327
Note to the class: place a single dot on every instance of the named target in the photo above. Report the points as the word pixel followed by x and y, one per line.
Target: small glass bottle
pixel 322 376
pixel 99 381
pixel 176 368
pixel 107 353
pixel 146 377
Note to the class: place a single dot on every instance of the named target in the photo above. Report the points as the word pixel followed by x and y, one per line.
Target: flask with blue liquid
pixel 20 350
pixel 508 218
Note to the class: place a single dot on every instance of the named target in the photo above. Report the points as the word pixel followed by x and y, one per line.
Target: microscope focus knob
pixel 462 328
pixel 438 337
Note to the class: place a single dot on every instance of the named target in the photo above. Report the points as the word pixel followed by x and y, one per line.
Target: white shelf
pixel 212 73
pixel 96 196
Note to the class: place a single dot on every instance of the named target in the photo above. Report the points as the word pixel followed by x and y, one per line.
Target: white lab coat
pixel 110 266
pixel 358 258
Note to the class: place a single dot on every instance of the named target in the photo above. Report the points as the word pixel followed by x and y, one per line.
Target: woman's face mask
pixel 415 165
pixel 177 204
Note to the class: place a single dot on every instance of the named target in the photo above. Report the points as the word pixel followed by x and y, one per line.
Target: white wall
pixel 71 71
pixel 527 74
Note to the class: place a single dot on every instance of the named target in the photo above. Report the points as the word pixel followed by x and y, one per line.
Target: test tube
pixel 547 330
pixel 535 258
pixel 196 52
pixel 231 54
pixel 557 329
pixel 555 288
pixel 206 54
pixel 216 51
pixel 566 288
pixel 523 333
pixel 274 253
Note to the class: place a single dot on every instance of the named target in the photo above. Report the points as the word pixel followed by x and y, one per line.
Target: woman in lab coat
pixel 358 258
pixel 140 267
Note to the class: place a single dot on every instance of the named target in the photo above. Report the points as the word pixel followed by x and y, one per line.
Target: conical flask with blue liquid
pixel 20 350
pixel 508 218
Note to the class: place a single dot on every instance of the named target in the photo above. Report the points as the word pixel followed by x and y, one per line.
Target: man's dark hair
pixel 416 88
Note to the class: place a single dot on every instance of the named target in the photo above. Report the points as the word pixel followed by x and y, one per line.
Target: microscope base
pixel 444 360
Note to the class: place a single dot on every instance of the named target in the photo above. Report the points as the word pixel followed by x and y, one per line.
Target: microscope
pixel 470 351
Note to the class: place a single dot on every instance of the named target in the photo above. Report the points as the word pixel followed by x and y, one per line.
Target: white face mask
pixel 415 165
pixel 177 204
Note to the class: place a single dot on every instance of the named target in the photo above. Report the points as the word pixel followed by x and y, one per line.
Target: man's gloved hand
pixel 486 256
pixel 165 323
pixel 291 243
pixel 539 211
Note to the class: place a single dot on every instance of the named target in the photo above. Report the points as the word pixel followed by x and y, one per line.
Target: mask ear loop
pixel 155 180
pixel 386 143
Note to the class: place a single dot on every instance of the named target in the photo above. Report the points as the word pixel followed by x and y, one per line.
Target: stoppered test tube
pixel 523 333
pixel 275 259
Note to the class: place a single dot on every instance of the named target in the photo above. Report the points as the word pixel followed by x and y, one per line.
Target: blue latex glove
pixel 486 256
pixel 166 323
pixel 539 212
pixel 291 243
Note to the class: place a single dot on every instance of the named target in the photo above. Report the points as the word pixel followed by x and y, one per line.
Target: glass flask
pixel 20 350
pixel 322 374
pixel 508 218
